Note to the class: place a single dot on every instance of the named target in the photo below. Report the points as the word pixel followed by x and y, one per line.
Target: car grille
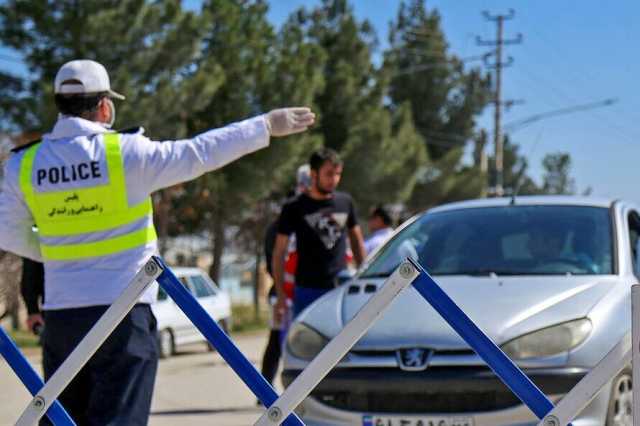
pixel 437 352
pixel 441 402
pixel 459 389
pixel 471 389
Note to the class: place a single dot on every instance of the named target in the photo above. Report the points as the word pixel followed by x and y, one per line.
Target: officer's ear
pixel 103 111
pixel 106 112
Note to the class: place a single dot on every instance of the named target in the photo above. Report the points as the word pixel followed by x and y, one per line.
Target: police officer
pixel 87 190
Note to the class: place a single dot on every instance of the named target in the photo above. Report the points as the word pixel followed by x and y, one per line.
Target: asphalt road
pixel 195 387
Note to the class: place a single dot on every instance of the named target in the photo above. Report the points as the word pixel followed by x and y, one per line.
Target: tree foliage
pixel 401 118
pixel 445 99
pixel 557 179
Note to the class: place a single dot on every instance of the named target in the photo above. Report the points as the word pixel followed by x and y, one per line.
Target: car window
pixel 185 283
pixel 509 240
pixel 162 295
pixel 201 286
pixel 634 233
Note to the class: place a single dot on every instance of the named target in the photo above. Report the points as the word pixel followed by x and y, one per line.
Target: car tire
pixel 166 344
pixel 619 412
pixel 224 325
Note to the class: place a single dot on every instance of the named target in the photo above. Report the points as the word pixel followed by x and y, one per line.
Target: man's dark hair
pixel 79 105
pixel 323 155
pixel 382 213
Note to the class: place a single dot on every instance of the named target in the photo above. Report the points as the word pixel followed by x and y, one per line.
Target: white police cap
pixel 83 76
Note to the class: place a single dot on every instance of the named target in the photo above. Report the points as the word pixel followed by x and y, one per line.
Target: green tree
pixel 380 147
pixel 382 158
pixel 261 70
pixel 151 50
pixel 515 168
pixel 557 179
pixel 347 70
pixel 445 100
pixel 446 179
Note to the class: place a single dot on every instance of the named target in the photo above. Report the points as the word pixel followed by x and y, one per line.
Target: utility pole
pixel 498 102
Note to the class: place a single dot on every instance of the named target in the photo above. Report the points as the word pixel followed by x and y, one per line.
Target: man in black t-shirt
pixel 321 219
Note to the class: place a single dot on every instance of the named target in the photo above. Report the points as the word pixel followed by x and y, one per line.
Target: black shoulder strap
pixel 130 130
pixel 25 146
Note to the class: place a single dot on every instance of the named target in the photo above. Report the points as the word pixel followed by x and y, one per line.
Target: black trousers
pixel 116 385
pixel 271 356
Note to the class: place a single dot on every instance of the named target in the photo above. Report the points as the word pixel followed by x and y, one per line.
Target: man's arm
pixel 357 244
pixel 169 163
pixel 277 266
pixel 32 285
pixel 32 290
pixel 269 244
pixel 16 222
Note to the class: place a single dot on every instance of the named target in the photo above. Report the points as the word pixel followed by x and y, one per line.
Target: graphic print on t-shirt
pixel 328 226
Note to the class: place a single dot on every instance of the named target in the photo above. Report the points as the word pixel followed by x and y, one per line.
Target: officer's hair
pixel 323 155
pixel 83 105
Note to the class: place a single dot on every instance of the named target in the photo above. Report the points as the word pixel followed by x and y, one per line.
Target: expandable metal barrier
pixel 281 409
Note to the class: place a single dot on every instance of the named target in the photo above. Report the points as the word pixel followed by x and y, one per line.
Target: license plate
pixel 370 420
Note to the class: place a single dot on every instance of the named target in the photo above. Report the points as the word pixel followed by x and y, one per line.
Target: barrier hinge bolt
pixel 551 421
pixel 274 414
pixel 38 403
pixel 150 268
pixel 406 270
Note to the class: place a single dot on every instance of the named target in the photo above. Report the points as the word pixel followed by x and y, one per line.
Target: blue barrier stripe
pixel 30 378
pixel 502 365
pixel 223 344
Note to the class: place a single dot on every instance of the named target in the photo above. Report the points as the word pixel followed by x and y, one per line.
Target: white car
pixel 174 328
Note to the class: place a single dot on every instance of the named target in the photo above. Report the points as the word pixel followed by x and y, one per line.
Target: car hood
pixel 503 307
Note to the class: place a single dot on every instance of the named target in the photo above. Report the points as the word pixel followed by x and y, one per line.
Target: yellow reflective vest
pixel 102 210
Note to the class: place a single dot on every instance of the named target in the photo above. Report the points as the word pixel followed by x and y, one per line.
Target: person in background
pixel 321 220
pixel 278 329
pixel 379 228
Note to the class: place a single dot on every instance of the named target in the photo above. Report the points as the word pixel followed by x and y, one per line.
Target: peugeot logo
pixel 414 359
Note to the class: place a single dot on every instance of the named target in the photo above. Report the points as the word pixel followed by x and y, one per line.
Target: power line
pixel 585 78
pixel 439 64
pixel 518 124
pixel 564 97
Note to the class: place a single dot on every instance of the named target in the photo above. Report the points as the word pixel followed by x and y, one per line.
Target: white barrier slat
pixel 635 350
pixel 89 344
pixel 300 388
pixel 587 388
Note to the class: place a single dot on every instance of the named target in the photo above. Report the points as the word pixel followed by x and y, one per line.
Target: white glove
pixel 287 121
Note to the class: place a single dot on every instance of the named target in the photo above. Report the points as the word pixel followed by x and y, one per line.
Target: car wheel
pixel 620 412
pixel 166 344
pixel 225 327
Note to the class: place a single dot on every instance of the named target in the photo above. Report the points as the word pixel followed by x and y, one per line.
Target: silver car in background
pixel 546 278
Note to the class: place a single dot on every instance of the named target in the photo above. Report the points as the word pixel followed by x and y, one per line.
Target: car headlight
pixel 549 341
pixel 304 342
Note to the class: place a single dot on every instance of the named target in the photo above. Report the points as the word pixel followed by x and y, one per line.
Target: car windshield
pixel 509 240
